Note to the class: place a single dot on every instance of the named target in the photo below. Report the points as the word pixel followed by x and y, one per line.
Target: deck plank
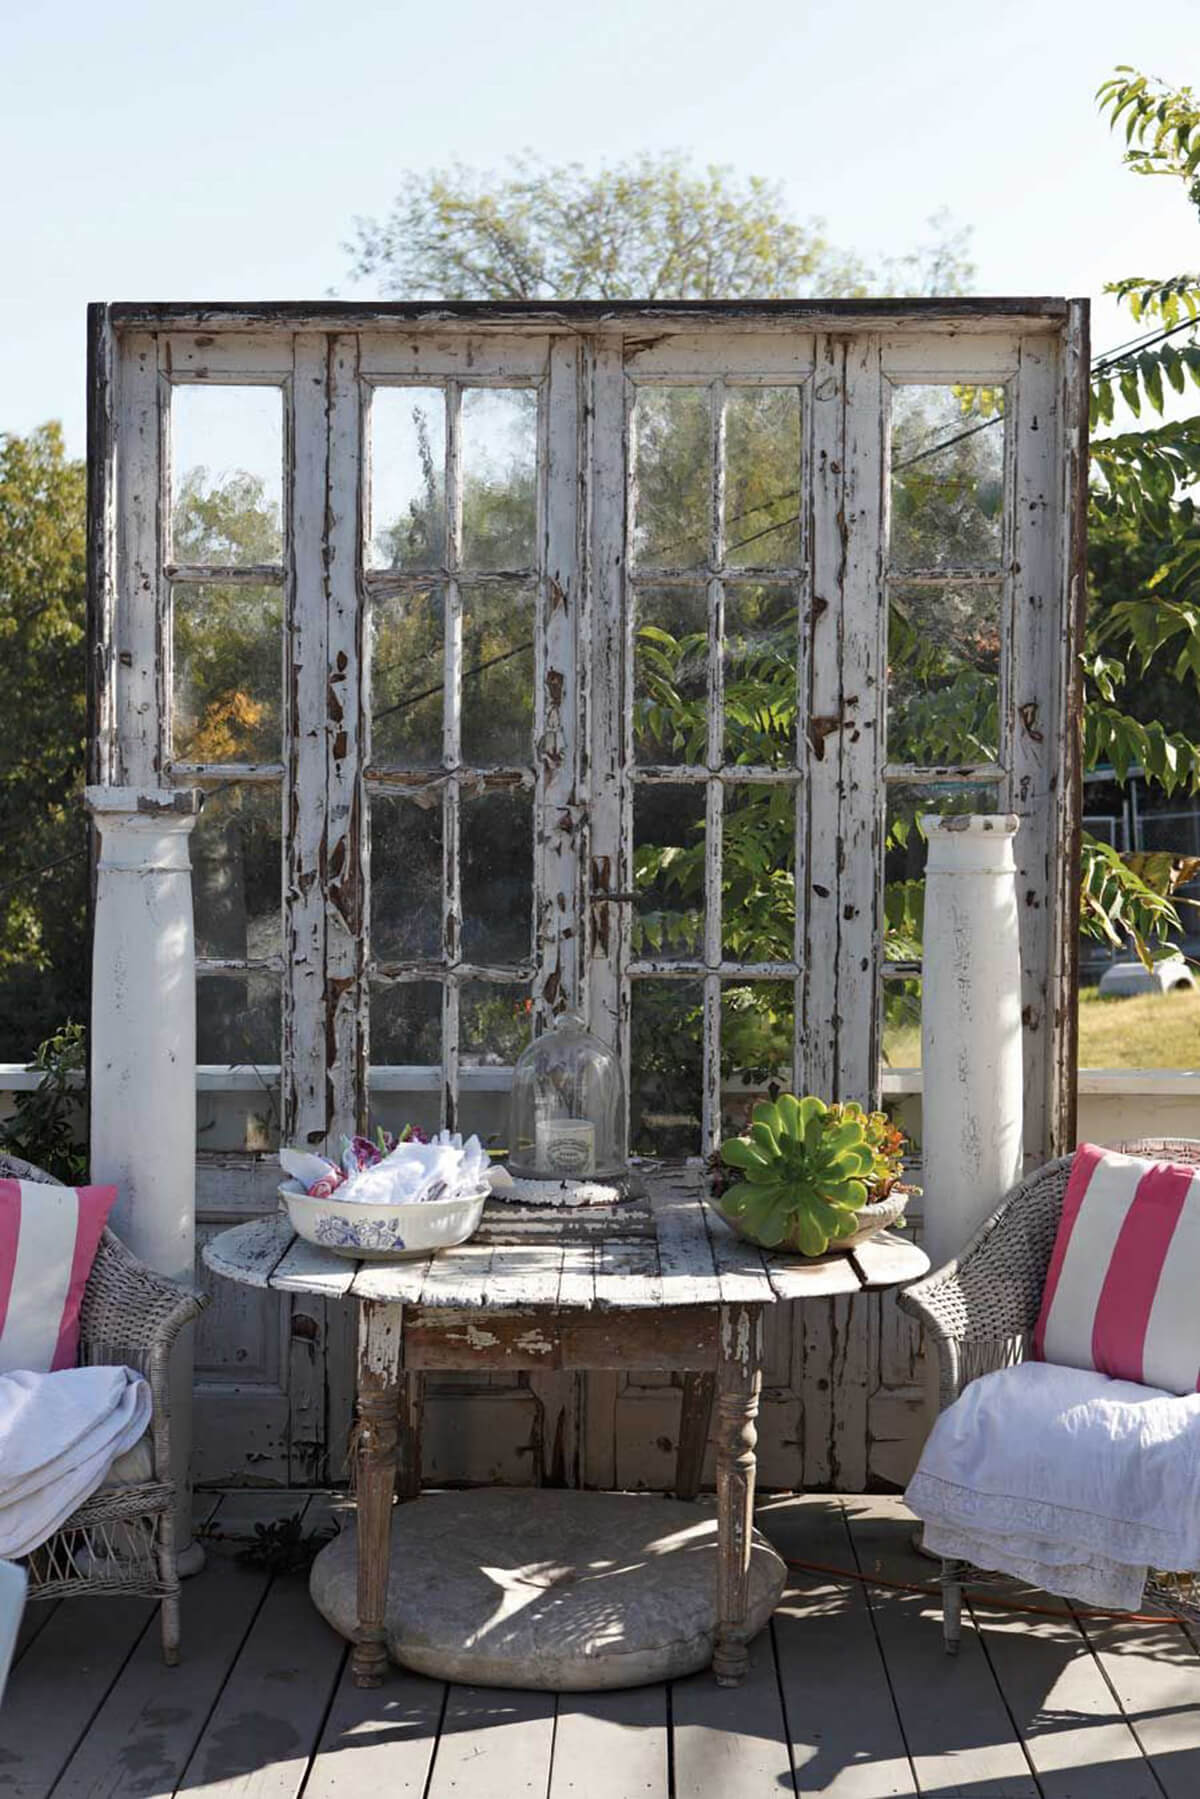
pixel 378 1743
pixel 611 1745
pixel 1074 1732
pixel 144 1734
pixel 260 1737
pixel 34 1619
pixel 959 1735
pixel 731 1742
pixel 495 1741
pixel 845 1735
pixel 849 1687
pixel 64 1678
pixel 1155 1672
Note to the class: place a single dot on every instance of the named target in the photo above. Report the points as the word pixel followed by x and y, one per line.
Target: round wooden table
pixel 659 1283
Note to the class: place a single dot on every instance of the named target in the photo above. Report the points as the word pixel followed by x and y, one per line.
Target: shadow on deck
pixel 849 1696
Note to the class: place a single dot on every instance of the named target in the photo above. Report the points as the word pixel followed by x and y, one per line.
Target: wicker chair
pixel 122 1539
pixel 980 1310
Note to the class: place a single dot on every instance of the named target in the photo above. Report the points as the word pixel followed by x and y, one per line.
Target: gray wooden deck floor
pixel 849 1695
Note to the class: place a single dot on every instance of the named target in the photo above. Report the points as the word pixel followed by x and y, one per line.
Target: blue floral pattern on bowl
pixel 370 1233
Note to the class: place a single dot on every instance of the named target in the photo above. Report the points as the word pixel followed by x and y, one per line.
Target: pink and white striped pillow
pixel 48 1241
pixel 1122 1291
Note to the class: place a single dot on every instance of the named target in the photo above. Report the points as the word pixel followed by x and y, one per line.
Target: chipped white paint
pixel 478 1338
pixel 971 1026
pixel 380 1336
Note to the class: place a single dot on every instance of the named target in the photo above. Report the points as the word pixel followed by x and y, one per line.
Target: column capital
pixel 967 843
pixel 166 806
pixel 144 829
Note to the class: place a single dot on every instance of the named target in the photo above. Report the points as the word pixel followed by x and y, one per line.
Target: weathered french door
pixel 578 657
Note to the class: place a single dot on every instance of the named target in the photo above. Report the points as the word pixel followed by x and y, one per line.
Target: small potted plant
pixel 810 1177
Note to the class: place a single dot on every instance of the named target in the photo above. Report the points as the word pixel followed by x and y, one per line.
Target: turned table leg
pixel 739 1380
pixel 376 1439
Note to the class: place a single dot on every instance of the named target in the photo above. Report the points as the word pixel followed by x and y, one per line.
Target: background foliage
pixel 655 227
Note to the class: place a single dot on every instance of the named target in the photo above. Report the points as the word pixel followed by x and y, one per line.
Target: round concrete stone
pixel 561 1591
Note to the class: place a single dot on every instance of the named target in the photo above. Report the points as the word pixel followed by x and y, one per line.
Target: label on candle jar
pixel 566 1146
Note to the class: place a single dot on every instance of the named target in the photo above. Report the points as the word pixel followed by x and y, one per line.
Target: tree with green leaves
pixel 652 228
pixel 1142 659
pixel 43 728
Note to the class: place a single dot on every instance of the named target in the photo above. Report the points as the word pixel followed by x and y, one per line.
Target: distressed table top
pixel 670 1249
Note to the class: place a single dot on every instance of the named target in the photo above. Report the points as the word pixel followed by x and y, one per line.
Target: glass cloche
pixel 567 1118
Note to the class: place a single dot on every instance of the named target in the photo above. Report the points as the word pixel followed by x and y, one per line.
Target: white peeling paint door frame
pixel 275 1382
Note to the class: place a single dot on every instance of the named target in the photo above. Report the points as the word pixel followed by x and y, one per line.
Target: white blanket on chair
pixel 1064 1478
pixel 58 1435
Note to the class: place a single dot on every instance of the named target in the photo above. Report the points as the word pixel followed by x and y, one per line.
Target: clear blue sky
pixel 147 160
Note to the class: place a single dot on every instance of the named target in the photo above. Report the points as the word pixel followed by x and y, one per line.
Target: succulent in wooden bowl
pixel 812 1176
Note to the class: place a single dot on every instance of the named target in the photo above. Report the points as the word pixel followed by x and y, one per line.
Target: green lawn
pixel 1151 1030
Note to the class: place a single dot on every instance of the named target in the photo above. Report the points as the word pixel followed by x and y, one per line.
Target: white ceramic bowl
pixel 383 1233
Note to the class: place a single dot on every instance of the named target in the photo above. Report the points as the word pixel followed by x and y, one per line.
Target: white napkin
pixel 415 1172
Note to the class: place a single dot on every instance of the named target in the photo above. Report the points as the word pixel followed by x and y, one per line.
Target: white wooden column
pixel 971 1036
pixel 143 1054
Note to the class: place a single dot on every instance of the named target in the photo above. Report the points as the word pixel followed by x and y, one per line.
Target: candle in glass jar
pixel 566 1146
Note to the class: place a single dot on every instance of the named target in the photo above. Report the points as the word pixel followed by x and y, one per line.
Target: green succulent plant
pixel 805 1169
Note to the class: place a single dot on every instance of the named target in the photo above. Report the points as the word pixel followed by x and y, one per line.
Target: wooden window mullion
pixel 452 758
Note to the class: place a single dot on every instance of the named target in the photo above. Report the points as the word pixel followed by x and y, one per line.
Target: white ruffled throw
pixel 59 1434
pixel 1064 1478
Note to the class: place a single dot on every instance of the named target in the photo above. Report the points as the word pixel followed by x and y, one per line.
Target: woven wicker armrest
pixel 130 1314
pixel 980 1309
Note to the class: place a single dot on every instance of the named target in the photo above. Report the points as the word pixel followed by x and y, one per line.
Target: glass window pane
pixel 406 1024
pixel 666 1067
pixel 237 874
pixel 757 1020
pixel 244 1120
pixel 758 874
pixel 902 1023
pixel 760 673
pixel 670 675
pixel 226 475
pixel 497 675
pixel 408 478
pixel 762 477
pixel 393 1110
pixel 672 518
pixel 943 672
pixel 238 1018
pixel 497 876
pixel 668 872
pixel 227 673
pixel 495 1023
pixel 499 477
pixel 947 476
pixel 904 859
pixel 407 661
pixel 406 879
